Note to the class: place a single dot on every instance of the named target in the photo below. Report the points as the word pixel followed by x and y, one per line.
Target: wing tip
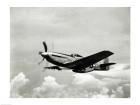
pixel 108 52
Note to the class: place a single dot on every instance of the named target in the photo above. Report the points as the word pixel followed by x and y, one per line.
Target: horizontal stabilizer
pixel 106 64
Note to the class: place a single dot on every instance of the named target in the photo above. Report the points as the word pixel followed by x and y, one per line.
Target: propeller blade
pixel 45 46
pixel 41 61
pixel 47 64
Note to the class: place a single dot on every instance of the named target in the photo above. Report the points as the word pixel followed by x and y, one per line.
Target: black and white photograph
pixel 70 52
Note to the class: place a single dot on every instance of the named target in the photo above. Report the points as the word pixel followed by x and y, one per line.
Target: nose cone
pixel 40 52
pixel 43 54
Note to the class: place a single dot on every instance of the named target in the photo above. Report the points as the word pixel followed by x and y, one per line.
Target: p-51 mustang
pixel 76 62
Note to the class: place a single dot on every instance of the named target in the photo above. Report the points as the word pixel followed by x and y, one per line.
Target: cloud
pixel 88 85
pixel 118 93
pixel 102 88
pixel 87 82
pixel 120 71
pixel 49 88
pixel 80 79
pixel 17 83
pixel 102 94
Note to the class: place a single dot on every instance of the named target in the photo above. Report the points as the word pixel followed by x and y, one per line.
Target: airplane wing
pixel 89 60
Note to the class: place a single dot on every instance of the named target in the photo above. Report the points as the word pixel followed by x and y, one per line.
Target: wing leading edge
pixel 89 60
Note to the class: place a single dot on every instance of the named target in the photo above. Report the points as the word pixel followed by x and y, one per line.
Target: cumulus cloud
pixel 49 88
pixel 17 83
pixel 86 80
pixel 119 71
pixel 89 85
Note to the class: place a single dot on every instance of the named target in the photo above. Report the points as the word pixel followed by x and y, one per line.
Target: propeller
pixel 40 53
pixel 45 46
pixel 41 61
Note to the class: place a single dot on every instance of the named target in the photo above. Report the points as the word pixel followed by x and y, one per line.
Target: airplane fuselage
pixel 59 59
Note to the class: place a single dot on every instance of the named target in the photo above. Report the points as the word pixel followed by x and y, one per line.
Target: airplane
pixel 76 62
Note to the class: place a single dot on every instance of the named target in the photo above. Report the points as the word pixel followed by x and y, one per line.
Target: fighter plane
pixel 76 62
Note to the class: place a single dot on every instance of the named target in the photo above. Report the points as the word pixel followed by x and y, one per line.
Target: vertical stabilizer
pixel 106 61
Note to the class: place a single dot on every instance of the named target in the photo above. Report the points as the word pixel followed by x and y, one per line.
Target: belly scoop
pixel 83 70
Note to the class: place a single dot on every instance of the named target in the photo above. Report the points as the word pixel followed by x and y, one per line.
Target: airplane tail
pixel 105 65
pixel 106 60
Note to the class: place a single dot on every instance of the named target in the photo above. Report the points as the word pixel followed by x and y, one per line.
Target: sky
pixel 69 30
